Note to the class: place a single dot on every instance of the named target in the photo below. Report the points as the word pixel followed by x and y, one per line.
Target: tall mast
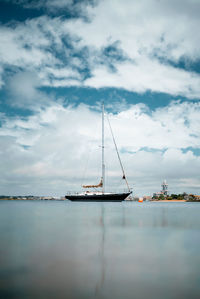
pixel 103 165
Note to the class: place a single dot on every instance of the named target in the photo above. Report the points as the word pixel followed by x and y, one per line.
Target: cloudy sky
pixel 59 59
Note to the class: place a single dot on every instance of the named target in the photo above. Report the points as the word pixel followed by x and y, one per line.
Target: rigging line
pixel 124 176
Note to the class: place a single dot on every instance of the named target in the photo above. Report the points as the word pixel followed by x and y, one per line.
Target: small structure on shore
pixel 192 197
pixel 164 188
pixel 164 192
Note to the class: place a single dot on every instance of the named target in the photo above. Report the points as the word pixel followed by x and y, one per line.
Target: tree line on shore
pixel 182 196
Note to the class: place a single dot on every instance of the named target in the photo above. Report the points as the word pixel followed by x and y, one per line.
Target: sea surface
pixel 63 249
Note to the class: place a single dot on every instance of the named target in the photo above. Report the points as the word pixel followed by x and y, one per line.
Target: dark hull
pixel 98 197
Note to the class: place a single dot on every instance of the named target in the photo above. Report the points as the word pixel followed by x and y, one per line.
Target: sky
pixel 60 59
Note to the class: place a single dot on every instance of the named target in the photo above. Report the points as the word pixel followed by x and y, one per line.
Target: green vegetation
pixel 170 197
pixel 178 196
pixel 161 197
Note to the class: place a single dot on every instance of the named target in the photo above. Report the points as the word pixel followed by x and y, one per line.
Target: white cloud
pixel 49 151
pixel 32 46
pixel 63 72
pixel 23 92
pixel 147 75
pixel 174 126
pixel 58 77
pixel 143 26
pixel 141 30
pixel 22 46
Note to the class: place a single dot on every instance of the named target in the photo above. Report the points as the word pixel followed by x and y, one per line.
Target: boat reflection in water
pixel 59 249
pixel 100 283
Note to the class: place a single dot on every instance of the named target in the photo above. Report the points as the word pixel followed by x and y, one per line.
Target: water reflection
pixel 99 285
pixel 98 250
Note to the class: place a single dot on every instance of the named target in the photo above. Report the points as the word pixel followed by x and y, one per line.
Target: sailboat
pixel 89 196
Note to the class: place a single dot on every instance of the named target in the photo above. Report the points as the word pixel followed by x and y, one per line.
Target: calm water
pixel 56 249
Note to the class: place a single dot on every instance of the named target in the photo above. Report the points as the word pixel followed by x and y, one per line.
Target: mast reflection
pixel 100 284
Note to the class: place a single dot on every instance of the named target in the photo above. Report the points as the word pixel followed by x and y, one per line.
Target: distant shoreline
pixel 63 199
pixel 38 199
pixel 170 200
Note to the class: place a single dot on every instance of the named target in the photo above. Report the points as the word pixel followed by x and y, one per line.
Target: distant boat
pixel 90 196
